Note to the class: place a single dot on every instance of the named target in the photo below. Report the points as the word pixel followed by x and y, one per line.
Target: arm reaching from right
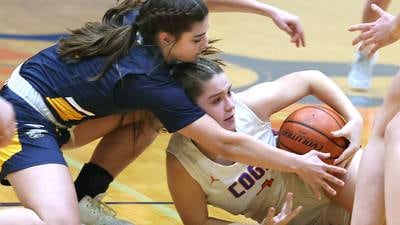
pixel 378 34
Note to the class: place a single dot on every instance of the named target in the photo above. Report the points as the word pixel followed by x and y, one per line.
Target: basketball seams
pixel 329 111
pixel 291 150
pixel 286 147
pixel 311 128
pixel 296 122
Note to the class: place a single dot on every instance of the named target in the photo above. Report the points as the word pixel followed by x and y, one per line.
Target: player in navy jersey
pixel 96 176
pixel 110 78
pixel 198 177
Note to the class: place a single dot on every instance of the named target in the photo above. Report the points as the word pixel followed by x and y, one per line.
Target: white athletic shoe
pixel 95 212
pixel 360 76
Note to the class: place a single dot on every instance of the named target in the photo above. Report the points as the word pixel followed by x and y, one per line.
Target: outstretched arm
pixel 268 98
pixel 248 150
pixel 284 20
pixel 7 123
pixel 378 34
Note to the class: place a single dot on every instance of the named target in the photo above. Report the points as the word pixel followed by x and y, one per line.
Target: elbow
pixel 226 144
pixel 314 74
pixel 310 73
pixel 310 76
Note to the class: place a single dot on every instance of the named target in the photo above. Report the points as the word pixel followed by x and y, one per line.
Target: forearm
pixel 251 151
pixel 328 92
pixel 246 6
pixel 239 147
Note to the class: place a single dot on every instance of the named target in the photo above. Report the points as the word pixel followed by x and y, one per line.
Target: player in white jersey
pixel 198 177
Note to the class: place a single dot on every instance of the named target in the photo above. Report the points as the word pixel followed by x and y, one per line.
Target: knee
pixel 60 216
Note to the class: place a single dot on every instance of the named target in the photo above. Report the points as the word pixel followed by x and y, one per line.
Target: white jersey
pixel 249 190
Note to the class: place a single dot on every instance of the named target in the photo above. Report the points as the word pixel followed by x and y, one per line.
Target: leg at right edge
pixel 368 206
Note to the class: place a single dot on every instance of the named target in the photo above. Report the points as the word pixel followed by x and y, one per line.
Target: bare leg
pixel 93 129
pixel 48 195
pixel 118 148
pixel 368 206
pixel 392 168
pixel 345 194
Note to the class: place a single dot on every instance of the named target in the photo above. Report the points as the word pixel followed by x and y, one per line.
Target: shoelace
pixel 103 207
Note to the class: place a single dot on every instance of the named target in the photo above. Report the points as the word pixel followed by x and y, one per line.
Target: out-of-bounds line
pixel 132 192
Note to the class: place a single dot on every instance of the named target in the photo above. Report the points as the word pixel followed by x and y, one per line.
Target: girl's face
pixel 189 46
pixel 216 101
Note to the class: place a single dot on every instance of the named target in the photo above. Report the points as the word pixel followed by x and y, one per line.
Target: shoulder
pixel 143 60
pixel 177 143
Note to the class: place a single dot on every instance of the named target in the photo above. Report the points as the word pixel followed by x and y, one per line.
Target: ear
pixel 166 38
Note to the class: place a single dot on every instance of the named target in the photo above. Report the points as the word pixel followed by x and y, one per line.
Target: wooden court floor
pixel 253 47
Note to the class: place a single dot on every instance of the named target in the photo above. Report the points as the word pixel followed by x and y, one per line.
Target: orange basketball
pixel 310 128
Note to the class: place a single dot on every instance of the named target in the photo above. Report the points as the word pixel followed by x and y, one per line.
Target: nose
pixel 229 106
pixel 204 43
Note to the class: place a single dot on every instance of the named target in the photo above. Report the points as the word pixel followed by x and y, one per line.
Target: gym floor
pixel 255 50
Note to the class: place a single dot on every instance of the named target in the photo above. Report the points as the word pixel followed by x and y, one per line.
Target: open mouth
pixel 229 118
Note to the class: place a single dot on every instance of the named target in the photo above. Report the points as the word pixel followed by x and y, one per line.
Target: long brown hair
pixel 113 39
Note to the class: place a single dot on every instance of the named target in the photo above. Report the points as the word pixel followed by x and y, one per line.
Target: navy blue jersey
pixel 139 80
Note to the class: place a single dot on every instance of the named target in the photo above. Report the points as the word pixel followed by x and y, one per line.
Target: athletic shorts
pixel 37 141
pixel 315 212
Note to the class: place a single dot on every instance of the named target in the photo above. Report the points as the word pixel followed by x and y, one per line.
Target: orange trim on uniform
pixel 12 149
pixel 64 109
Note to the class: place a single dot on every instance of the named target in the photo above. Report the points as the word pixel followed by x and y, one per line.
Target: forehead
pixel 218 82
pixel 198 29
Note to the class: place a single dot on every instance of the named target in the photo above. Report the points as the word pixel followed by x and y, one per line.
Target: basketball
pixel 309 128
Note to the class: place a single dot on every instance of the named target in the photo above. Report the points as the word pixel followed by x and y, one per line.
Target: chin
pixel 194 59
pixel 230 127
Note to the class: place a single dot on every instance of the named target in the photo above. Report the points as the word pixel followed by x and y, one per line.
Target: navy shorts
pixel 36 142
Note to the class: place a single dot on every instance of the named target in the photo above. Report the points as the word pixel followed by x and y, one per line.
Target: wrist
pixel 395 31
pixel 269 11
pixel 296 163
pixel 395 28
pixel 356 119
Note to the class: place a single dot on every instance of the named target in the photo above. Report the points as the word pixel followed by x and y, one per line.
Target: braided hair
pixel 113 39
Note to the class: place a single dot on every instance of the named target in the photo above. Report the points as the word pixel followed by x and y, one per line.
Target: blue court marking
pixel 268 70
pixel 32 37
